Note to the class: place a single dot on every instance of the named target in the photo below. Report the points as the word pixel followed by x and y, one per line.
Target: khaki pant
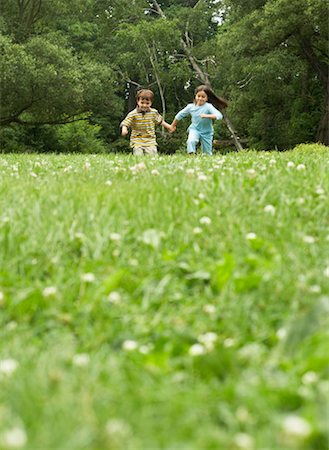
pixel 145 150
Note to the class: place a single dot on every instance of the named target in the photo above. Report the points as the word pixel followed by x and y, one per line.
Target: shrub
pixel 80 137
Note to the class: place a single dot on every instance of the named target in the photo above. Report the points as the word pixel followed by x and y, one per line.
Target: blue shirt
pixel 202 125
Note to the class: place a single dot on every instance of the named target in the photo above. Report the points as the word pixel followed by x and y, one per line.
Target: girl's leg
pixel 192 140
pixel 206 143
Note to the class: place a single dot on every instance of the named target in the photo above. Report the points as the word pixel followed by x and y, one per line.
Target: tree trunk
pixel 322 134
pixel 203 77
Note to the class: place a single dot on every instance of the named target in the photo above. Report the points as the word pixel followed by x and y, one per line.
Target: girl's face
pixel 200 98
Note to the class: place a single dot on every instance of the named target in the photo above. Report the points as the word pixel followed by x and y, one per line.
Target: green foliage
pixel 123 285
pixel 79 137
pixel 67 59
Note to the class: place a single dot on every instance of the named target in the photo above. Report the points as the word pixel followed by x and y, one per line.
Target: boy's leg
pixel 206 143
pixel 192 140
pixel 138 151
pixel 150 150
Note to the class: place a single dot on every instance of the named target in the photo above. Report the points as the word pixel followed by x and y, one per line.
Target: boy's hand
pixel 124 131
pixel 172 129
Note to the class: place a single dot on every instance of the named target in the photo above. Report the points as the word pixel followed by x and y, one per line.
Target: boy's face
pixel 144 104
pixel 201 98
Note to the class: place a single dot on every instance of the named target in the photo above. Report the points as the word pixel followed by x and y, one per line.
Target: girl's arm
pixel 208 116
pixel 213 113
pixel 173 125
pixel 167 126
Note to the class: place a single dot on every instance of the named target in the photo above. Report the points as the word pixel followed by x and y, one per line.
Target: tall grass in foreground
pixel 168 303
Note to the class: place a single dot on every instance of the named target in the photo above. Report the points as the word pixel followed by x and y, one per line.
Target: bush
pixel 80 137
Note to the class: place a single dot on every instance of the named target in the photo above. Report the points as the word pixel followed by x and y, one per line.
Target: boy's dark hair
pixel 219 102
pixel 145 94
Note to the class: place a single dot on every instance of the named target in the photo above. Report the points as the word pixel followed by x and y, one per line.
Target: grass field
pixel 169 303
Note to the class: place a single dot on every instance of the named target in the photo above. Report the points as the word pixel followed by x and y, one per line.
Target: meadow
pixel 171 303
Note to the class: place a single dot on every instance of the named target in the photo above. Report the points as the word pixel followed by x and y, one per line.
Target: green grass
pixel 144 262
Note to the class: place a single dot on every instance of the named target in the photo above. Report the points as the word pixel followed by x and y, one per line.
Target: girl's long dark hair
pixel 218 102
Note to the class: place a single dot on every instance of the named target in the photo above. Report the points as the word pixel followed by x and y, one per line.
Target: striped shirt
pixel 142 127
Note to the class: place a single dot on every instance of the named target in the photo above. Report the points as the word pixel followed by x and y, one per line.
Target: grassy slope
pixel 175 279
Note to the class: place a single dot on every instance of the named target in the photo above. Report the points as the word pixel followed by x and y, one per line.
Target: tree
pixel 275 60
pixel 42 82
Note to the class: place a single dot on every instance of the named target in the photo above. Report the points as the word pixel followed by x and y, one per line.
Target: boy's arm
pixel 167 126
pixel 124 130
pixel 126 124
pixel 173 125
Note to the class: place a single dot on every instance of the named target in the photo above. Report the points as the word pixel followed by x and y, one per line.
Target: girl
pixel 203 112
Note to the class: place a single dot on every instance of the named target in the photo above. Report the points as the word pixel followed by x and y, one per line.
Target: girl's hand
pixel 172 129
pixel 204 116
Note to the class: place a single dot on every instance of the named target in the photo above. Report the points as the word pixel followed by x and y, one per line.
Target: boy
pixel 142 121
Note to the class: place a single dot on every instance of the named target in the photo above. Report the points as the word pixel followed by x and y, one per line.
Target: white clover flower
pixel 326 272
pixel 87 165
pixel 108 183
pixel 251 173
pixel 81 359
pixel 133 262
pixel 202 177
pixel 301 167
pixel 308 239
pixel 197 349
pixel 208 339
pixel 319 190
pixel 205 220
pixel 14 438
pixel 129 345
pixel 11 325
pixel 33 174
pixel 301 200
pixel 281 333
pixel 115 237
pixel 290 164
pixel 88 277
pixel 242 414
pixel 49 291
pixel 2 298
pixel 190 171
pixel 145 349
pixel 67 169
pixel 251 236
pixel 244 441
pixel 272 162
pixel 310 378
pixel 155 172
pixel 209 309
pixel 197 230
pixel 315 289
pixel 201 196
pixel 138 167
pixel 117 427
pixel 229 342
pixel 114 297
pixel 296 427
pixel 270 209
pixel 8 366
pixel 250 351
